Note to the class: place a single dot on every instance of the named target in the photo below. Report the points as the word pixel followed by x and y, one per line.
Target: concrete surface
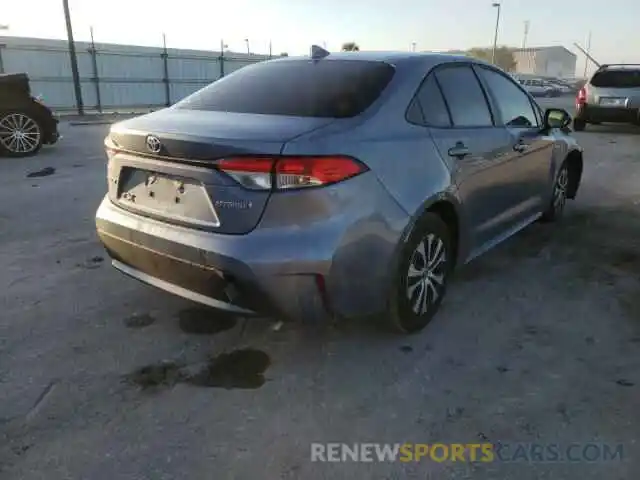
pixel 538 341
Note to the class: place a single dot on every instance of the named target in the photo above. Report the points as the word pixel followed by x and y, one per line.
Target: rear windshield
pixel 617 79
pixel 301 88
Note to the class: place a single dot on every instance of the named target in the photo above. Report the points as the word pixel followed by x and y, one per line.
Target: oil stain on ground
pixel 240 369
pixel 139 320
pixel 205 321
pixel 45 172
pixel 164 374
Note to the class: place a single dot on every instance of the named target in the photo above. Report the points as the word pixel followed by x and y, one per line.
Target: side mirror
pixel 556 118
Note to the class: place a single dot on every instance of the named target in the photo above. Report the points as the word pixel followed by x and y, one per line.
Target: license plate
pixel 613 102
pixel 172 197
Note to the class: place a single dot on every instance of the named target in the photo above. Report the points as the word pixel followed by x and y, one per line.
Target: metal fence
pixel 116 78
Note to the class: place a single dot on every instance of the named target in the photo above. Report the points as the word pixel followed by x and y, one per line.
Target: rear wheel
pixel 20 134
pixel 579 125
pixel 421 280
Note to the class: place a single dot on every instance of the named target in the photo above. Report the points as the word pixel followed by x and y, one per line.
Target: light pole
pixel 526 33
pixel 413 46
pixel 495 37
pixel 246 40
pixel 73 59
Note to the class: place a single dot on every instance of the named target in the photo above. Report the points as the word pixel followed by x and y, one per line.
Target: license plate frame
pixel 173 197
pixel 613 101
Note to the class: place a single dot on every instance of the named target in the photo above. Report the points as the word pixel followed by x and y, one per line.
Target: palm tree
pixel 350 47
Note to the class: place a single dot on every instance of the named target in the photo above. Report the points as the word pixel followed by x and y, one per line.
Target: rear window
pixel 617 79
pixel 300 88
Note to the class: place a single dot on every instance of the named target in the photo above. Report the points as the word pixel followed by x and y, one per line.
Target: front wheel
pixel 422 278
pixel 559 198
pixel 20 134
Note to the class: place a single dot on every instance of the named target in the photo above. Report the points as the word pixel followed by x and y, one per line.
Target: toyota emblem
pixel 153 144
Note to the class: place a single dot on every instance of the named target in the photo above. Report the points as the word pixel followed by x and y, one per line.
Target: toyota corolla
pixel 334 185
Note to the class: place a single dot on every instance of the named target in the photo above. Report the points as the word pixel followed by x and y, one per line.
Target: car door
pixel 462 126
pixel 532 148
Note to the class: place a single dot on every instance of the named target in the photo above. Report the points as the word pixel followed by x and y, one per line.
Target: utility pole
pixel 586 63
pixel 526 34
pixel 73 58
pixel 495 37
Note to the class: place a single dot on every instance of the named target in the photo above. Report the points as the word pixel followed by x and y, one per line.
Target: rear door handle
pixel 460 150
pixel 520 146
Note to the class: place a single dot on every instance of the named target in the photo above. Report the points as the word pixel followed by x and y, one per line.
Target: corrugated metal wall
pixel 115 77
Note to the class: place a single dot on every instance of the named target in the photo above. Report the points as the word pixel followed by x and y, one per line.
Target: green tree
pixel 350 47
pixel 504 57
pixel 284 54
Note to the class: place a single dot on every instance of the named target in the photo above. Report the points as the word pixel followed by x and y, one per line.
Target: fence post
pixel 95 79
pixel 165 79
pixel 221 58
pixel 2 45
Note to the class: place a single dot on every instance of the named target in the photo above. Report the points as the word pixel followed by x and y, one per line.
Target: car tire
pixel 420 283
pixel 558 202
pixel 579 125
pixel 21 135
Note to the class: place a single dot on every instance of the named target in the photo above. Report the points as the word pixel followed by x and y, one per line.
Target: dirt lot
pixel 104 378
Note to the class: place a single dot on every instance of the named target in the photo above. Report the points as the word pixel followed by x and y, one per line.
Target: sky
pixel 293 25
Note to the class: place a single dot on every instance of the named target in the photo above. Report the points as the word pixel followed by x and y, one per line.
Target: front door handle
pixel 460 150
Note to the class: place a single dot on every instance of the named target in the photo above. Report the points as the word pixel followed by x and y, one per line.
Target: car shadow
pixel 620 129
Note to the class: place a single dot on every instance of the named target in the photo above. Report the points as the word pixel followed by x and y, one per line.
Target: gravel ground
pixel 104 378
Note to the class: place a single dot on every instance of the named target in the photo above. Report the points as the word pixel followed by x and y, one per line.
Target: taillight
pixel 581 98
pixel 110 147
pixel 286 173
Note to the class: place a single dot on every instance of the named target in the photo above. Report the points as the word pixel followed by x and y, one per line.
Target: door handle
pixel 520 146
pixel 460 150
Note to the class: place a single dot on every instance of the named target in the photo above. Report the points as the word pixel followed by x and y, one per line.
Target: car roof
pixel 393 57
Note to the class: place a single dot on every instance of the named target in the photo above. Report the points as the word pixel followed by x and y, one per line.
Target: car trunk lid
pixel 163 165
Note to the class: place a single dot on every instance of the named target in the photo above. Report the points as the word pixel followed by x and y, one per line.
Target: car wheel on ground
pixel 421 281
pixel 579 125
pixel 559 198
pixel 20 134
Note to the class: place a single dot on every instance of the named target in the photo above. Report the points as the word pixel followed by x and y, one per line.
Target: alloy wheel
pixel 426 275
pixel 560 190
pixel 19 134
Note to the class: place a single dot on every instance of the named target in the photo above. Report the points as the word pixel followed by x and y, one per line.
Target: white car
pixel 538 88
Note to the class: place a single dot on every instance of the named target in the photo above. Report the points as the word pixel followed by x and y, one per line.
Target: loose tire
pixel 20 134
pixel 422 276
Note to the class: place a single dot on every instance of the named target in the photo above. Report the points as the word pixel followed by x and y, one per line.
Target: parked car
pixel 612 95
pixel 563 88
pixel 539 88
pixel 25 122
pixel 349 185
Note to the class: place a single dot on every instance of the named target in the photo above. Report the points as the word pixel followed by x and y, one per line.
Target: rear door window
pixel 464 96
pixel 617 79
pixel 301 88
pixel 430 105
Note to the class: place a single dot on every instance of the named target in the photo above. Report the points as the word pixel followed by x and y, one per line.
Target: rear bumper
pixel 198 266
pixel 50 131
pixel 299 275
pixel 595 113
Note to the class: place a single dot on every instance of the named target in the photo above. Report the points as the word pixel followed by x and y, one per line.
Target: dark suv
pixel 611 95
pixel 25 123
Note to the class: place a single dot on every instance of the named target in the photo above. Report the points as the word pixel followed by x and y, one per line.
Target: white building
pixel 546 61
